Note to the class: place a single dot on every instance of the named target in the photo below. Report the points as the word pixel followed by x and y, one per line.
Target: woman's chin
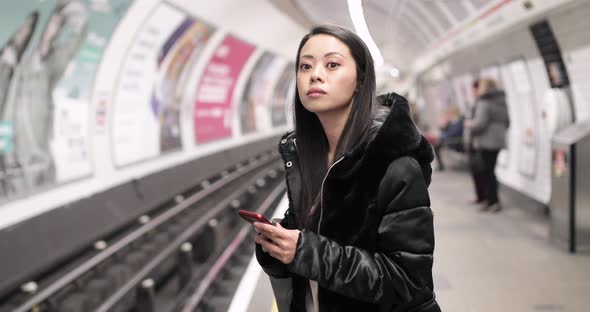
pixel 322 109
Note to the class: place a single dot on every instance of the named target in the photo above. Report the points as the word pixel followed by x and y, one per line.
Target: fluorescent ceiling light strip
pixel 355 8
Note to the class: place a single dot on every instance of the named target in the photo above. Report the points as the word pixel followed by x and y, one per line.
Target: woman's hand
pixel 277 241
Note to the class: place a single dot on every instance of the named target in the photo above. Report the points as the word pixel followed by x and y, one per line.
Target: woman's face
pixel 326 77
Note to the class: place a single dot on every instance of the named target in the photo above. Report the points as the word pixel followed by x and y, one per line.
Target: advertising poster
pixel 174 60
pixel 213 109
pixel 282 98
pixel 523 130
pixel 464 93
pixel 255 109
pixel 580 84
pixel 49 54
pixel 146 118
pixel 431 106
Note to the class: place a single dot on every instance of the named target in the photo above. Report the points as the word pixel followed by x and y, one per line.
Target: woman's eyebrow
pixel 334 53
pixel 308 56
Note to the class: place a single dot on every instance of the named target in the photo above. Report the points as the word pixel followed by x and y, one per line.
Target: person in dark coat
pixel 358 234
pixel 488 130
pixel 474 156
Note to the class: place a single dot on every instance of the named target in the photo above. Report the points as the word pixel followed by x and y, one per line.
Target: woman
pixel 358 233
pixel 488 132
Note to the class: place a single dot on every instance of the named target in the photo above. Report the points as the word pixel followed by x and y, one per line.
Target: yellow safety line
pixel 274 307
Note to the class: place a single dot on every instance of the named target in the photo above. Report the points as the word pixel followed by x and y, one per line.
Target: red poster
pixel 213 109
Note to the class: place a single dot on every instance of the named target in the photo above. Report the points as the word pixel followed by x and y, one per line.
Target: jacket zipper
pixel 322 193
pixel 321 197
pixel 322 188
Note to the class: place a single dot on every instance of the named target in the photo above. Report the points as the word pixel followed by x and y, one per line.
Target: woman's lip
pixel 315 94
pixel 316 90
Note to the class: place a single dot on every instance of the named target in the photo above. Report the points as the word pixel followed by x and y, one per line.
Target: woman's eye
pixel 333 65
pixel 304 66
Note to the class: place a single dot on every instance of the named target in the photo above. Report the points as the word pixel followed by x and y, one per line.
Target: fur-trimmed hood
pixel 392 135
pixel 358 174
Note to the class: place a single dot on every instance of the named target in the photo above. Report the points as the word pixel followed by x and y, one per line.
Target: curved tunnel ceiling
pixel 402 29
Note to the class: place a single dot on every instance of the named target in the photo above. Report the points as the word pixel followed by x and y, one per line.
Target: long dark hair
pixel 312 144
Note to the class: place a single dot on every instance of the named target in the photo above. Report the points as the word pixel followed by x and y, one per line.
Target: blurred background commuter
pixel 474 159
pixel 488 131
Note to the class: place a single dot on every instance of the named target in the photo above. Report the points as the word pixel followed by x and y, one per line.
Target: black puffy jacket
pixel 374 249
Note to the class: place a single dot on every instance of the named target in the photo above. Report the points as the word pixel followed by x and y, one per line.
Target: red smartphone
pixel 253 217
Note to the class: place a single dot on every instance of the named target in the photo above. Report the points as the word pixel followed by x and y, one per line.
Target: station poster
pixel 523 131
pixel 462 86
pixel 283 96
pixel 152 81
pixel 213 113
pixel 49 55
pixel 255 108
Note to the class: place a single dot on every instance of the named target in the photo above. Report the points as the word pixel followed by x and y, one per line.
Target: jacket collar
pixel 394 131
pixel 393 135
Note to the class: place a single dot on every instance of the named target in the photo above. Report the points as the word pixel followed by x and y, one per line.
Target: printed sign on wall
pixel 282 98
pixel 146 119
pixel 522 136
pixel 255 109
pixel 49 54
pixel 213 111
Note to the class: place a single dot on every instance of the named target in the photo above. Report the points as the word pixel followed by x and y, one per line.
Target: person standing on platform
pixel 358 234
pixel 474 156
pixel 488 129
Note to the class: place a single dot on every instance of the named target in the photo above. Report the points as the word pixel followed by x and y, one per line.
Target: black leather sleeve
pixel 400 271
pixel 270 265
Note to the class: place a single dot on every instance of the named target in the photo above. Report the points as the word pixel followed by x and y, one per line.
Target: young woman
pixel 358 233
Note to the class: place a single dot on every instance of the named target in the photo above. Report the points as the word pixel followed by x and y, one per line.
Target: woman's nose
pixel 317 75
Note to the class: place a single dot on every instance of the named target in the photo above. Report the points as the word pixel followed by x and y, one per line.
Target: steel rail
pixel 198 295
pixel 131 283
pixel 125 241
